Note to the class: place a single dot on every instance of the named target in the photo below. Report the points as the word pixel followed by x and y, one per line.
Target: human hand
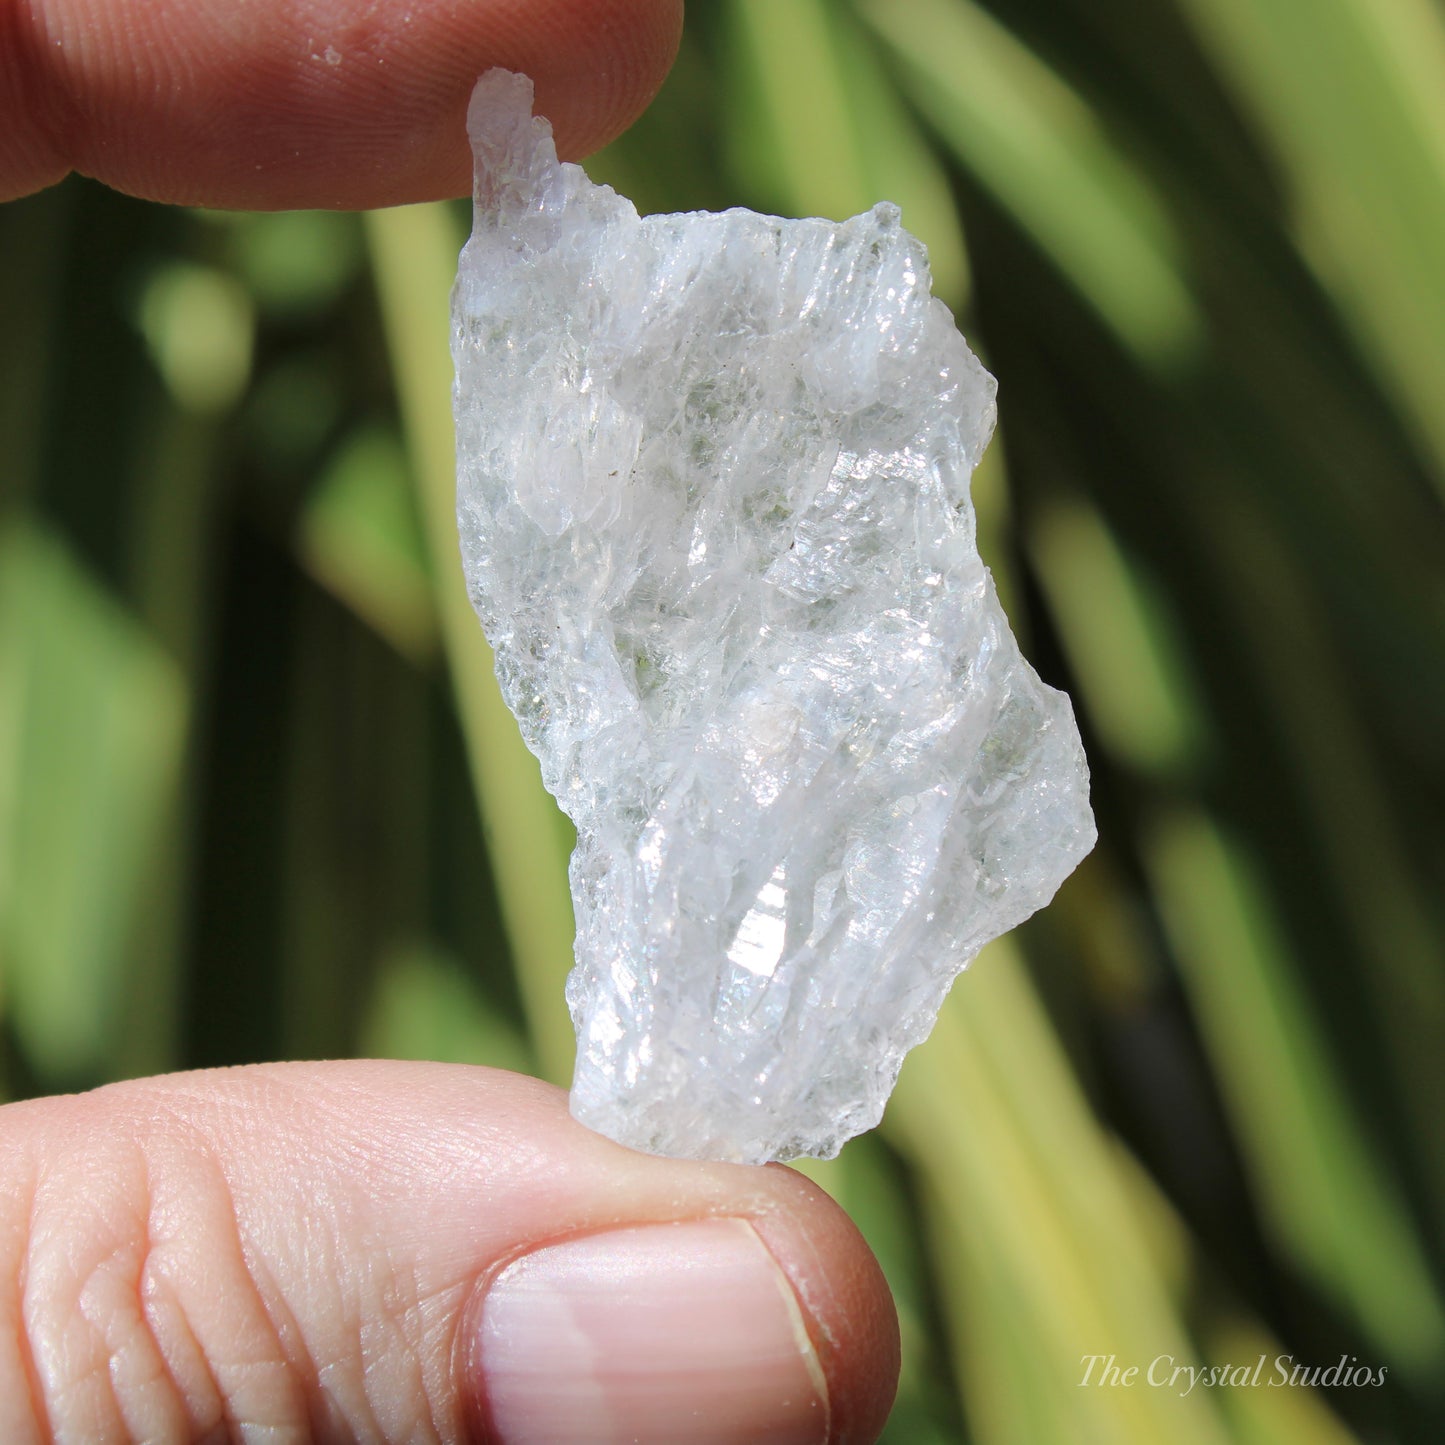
pixel 391 1251
pixel 374 1251
pixel 276 104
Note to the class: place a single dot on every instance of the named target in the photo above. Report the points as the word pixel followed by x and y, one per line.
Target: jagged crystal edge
pixel 713 496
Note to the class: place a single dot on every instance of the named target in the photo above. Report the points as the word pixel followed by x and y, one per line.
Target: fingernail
pixel 666 1332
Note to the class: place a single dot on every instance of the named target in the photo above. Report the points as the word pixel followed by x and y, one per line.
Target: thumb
pixel 386 1251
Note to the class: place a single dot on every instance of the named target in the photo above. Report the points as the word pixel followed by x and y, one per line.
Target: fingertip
pixel 32 155
pixel 756 1312
pixel 347 105
pixel 442 1243
pixel 845 1298
pixel 596 66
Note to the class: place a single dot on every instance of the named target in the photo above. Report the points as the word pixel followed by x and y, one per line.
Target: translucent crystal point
pixel 714 507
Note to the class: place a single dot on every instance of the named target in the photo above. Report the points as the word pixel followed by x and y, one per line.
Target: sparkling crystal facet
pixel 714 507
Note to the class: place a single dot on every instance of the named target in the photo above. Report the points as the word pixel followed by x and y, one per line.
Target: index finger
pixel 274 104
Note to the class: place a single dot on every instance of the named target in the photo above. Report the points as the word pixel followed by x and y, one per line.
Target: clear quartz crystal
pixel 714 508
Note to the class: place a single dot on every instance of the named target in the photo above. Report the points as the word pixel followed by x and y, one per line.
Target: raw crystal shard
pixel 714 507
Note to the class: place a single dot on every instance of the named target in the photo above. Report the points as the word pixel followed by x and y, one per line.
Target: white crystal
pixel 714 507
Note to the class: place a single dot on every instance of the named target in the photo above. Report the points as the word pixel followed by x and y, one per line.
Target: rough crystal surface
pixel 714 507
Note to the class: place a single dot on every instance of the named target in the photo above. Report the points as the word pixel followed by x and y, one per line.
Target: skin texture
pixel 305 1250
pixel 275 104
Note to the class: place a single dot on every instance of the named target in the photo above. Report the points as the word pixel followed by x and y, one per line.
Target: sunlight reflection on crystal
pixel 758 945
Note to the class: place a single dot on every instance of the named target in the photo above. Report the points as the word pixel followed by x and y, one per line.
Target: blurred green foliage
pixel 259 798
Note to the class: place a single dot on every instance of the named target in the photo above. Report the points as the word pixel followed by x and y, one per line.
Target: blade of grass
pixel 1349 93
pixel 818 118
pixel 359 537
pixel 31 233
pixel 1130 673
pixel 1263 1415
pixel 1262 587
pixel 101 711
pixel 800 127
pixel 414 255
pixel 1011 1395
pixel 356 765
pixel 897 160
pixel 1037 146
pixel 1026 1189
pixel 1325 1197
pixel 1311 1168
pixel 13 677
pixel 198 325
pixel 425 1005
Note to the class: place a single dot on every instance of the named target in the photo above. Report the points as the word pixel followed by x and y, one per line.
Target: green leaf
pixel 1129 665
pixel 414 250
pixel 92 713
pixel 1327 1199
pixel 198 326
pixel 425 1005
pixel 359 537
pixel 1038 147
pixel 1031 1205
pixel 1350 94
pixel 817 121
